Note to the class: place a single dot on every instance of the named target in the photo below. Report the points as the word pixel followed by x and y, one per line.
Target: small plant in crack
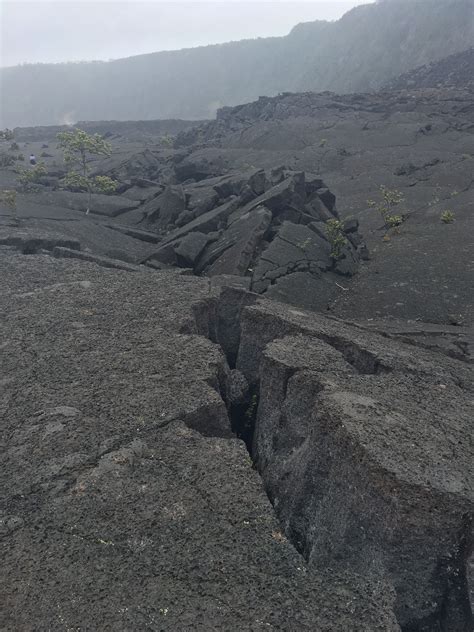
pixel 336 237
pixel 385 206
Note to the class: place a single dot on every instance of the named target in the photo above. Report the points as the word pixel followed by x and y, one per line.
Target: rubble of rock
pixel 416 141
pixel 269 226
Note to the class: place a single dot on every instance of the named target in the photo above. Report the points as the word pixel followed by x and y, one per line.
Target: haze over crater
pixel 75 30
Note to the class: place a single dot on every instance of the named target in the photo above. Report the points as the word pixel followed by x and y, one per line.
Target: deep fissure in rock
pixel 243 418
pixel 453 609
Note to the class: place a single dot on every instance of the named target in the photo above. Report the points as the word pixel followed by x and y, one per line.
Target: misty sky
pixel 63 30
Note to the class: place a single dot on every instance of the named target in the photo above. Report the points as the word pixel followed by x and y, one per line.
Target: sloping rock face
pixel 366 453
pixel 126 501
pixel 455 70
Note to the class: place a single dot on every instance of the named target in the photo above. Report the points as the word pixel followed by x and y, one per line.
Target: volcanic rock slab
pixel 126 502
pixel 366 451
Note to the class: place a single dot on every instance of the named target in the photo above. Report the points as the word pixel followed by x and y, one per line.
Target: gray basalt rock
pixel 190 248
pixel 108 205
pixel 362 447
pixel 234 251
pixel 237 388
pixel 206 223
pixel 201 199
pixel 105 262
pixel 295 248
pixel 166 208
pixel 124 496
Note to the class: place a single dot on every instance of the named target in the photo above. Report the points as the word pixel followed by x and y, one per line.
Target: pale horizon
pixel 61 31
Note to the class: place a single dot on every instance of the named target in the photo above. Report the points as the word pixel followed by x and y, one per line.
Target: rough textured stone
pixel 201 199
pixel 234 251
pixel 125 501
pixel 165 209
pixel 295 248
pixel 105 262
pixel 190 248
pixel 108 205
pixel 206 223
pixel 362 446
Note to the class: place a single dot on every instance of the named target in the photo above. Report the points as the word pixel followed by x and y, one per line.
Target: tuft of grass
pixel 447 217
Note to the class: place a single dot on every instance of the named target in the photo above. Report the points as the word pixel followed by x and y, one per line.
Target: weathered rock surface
pixel 109 205
pixel 365 447
pixel 125 501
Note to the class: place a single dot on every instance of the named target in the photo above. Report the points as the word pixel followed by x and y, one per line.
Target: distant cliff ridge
pixel 367 47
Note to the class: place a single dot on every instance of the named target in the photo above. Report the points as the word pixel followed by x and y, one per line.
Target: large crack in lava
pixel 321 488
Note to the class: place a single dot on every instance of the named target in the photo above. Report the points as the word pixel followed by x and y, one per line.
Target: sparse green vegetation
pixel 389 200
pixel 29 178
pixel 394 220
pixel 447 217
pixel 79 147
pixel 8 199
pixel 166 141
pixel 336 237
pixel 6 134
pixel 6 160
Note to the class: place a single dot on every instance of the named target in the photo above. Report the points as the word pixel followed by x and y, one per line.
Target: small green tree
pixel 336 237
pixel 29 178
pixel 8 199
pixel 390 199
pixel 6 134
pixel 79 147
pixel 166 141
pixel 6 159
